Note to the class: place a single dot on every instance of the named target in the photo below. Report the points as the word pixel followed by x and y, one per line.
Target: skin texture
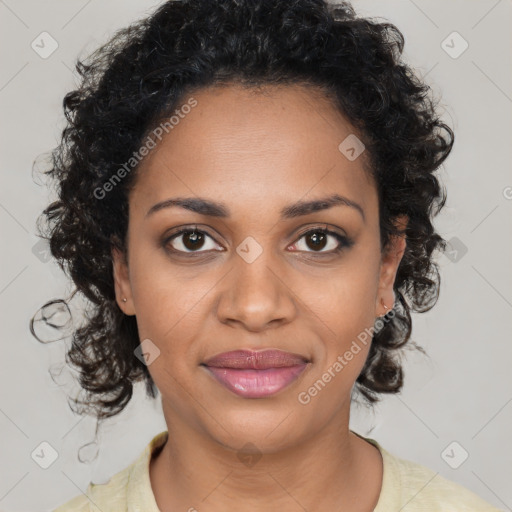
pixel 257 151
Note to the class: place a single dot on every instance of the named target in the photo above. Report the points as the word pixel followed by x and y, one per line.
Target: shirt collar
pixel 139 494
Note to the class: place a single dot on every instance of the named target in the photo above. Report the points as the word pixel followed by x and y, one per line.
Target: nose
pixel 256 294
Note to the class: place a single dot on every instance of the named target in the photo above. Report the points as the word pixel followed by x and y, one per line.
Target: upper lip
pixel 258 360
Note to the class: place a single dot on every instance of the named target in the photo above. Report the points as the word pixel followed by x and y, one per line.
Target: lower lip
pixel 256 383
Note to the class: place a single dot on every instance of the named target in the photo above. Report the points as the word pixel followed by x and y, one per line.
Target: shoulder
pixel 127 489
pixel 429 488
pixel 106 497
pixel 412 487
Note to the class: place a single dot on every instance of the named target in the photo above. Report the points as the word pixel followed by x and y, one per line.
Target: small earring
pixel 124 299
pixel 385 307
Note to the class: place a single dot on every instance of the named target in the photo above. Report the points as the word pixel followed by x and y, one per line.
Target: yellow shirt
pixel 406 487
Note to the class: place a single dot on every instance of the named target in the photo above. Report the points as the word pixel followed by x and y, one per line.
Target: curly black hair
pixel 143 73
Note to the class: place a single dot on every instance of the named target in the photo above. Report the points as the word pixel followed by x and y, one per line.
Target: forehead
pixel 242 146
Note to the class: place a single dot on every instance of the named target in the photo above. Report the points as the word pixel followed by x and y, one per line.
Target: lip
pixel 256 374
pixel 255 360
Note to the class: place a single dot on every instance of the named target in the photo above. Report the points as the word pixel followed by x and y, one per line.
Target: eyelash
pixel 344 242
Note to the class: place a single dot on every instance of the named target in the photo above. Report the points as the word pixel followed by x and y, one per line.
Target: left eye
pixel 318 239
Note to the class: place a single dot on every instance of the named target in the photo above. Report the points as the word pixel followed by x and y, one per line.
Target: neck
pixel 335 469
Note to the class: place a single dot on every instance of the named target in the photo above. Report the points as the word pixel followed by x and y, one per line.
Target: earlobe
pixel 122 282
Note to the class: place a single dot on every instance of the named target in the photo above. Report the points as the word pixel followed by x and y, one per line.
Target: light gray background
pixel 461 393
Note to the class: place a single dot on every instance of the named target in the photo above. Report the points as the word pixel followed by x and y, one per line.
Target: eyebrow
pixel 214 209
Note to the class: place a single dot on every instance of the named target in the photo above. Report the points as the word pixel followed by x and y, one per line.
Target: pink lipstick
pixel 256 374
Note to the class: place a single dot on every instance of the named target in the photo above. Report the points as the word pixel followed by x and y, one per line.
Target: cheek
pixel 344 300
pixel 167 315
pixel 342 312
pixel 170 304
pixel 344 324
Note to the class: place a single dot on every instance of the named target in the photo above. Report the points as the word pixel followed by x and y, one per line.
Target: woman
pixel 246 192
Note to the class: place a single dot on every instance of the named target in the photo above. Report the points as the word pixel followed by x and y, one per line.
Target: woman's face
pixel 261 275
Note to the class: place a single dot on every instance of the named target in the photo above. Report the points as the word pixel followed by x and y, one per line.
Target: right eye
pixel 189 240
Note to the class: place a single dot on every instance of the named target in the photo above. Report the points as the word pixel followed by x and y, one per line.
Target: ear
pixel 122 282
pixel 391 258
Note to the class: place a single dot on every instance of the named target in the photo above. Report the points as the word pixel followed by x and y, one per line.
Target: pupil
pixel 318 240
pixel 193 240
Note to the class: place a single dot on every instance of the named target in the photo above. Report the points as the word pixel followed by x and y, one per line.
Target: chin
pixel 262 428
